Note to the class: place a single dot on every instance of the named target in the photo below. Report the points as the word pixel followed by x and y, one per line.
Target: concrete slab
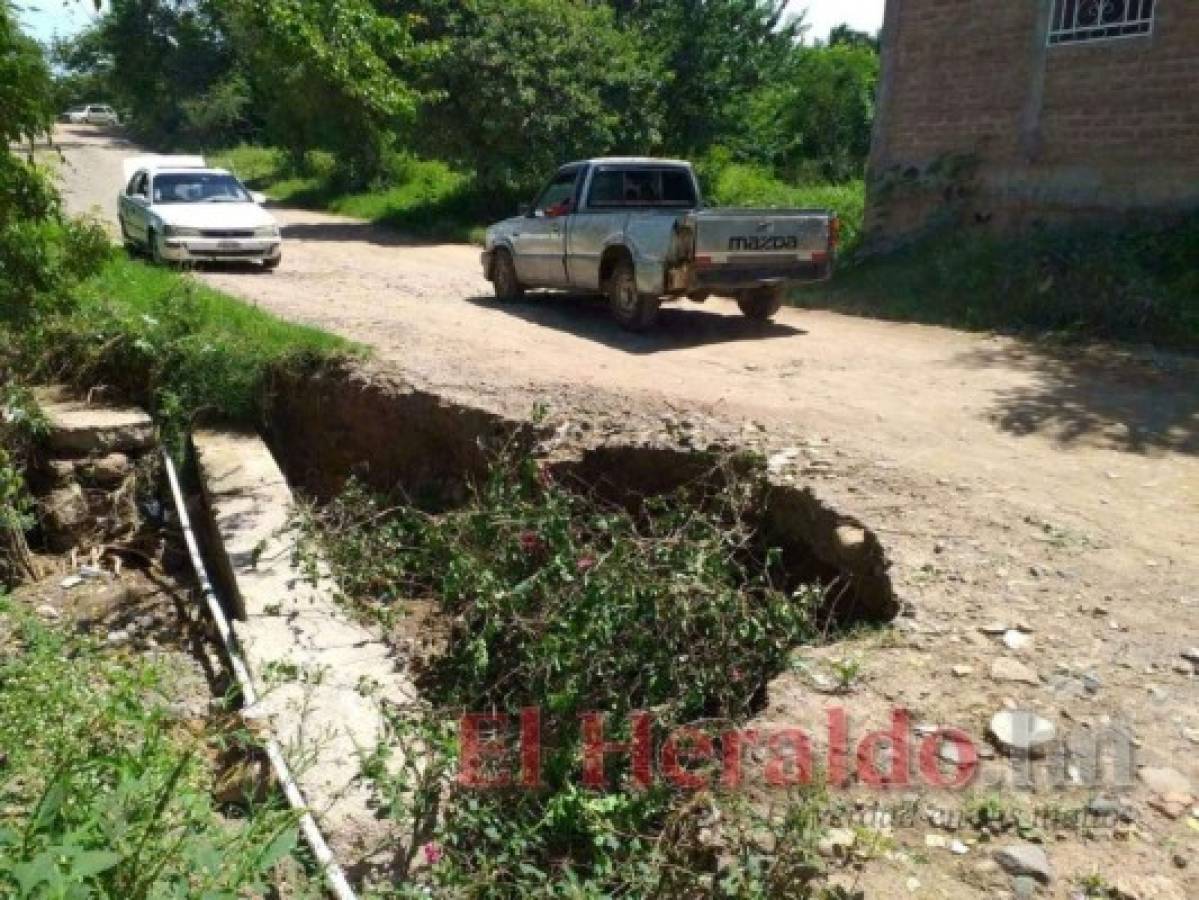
pixel 322 677
pixel 80 428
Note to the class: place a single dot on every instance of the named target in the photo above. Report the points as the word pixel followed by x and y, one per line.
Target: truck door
pixel 541 243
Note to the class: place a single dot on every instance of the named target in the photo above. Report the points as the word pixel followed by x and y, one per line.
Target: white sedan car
pixel 94 114
pixel 178 210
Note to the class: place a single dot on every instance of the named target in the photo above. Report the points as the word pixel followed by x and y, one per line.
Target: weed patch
pixel 1138 284
pixel 560 601
pixel 167 341
pixel 422 198
pixel 102 793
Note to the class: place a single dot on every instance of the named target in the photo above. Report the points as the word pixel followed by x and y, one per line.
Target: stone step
pixel 79 428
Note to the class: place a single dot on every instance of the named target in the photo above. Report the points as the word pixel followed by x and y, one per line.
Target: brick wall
pixel 1035 133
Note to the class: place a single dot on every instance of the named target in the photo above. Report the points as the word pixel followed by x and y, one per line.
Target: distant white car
pixel 178 210
pixel 94 114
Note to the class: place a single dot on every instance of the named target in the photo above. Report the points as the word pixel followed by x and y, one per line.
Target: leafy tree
pixel 39 252
pixel 84 69
pixel 714 54
pixel 815 120
pixel 843 34
pixel 158 55
pixel 26 88
pixel 330 74
pixel 526 84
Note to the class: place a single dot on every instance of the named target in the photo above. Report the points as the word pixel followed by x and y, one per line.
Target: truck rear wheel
pixel 503 277
pixel 633 310
pixel 761 304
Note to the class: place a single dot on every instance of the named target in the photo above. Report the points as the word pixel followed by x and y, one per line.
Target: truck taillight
pixel 834 234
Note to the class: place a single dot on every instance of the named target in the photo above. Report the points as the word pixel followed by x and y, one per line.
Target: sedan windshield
pixel 199 187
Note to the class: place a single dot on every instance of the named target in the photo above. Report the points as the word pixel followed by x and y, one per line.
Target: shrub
pixel 737 184
pixel 564 602
pixel 1137 284
pixel 103 793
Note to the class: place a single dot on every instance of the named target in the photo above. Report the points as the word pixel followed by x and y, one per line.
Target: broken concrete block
pixel 81 429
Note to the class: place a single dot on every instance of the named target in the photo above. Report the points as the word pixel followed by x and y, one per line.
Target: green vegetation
pixel 103 792
pixel 436 116
pixel 166 340
pixel 1138 284
pixel 422 198
pixel 736 184
pixel 564 602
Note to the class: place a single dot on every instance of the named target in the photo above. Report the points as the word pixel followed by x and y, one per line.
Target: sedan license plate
pixel 228 245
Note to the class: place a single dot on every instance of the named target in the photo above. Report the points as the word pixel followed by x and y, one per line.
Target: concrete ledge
pixel 322 677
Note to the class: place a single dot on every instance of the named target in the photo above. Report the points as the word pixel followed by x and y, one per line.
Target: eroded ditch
pixel 507 531
pixel 433 455
pixel 341 423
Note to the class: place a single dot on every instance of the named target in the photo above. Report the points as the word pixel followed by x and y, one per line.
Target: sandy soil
pixel 1011 483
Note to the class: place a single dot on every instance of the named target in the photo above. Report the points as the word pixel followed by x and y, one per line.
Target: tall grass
pixel 423 198
pixel 170 342
pixel 103 793
pixel 1138 283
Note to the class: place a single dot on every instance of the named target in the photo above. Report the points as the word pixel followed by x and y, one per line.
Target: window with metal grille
pixel 1075 21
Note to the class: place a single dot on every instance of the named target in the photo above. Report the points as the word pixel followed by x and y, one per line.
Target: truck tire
pixel 761 304
pixel 503 277
pixel 633 310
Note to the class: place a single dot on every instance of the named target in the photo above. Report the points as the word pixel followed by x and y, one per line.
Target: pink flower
pixel 586 563
pixel 433 853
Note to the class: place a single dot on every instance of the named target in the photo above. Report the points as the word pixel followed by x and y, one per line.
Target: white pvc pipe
pixel 334 874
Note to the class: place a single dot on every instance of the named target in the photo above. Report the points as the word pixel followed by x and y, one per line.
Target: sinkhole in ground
pixel 331 425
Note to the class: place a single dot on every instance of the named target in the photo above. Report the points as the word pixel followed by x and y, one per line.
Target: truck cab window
pixel 642 187
pixel 556 199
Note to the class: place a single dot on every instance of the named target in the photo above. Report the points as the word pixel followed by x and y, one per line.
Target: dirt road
pixel 1012 481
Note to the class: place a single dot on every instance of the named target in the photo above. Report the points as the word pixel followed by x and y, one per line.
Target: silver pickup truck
pixel 636 230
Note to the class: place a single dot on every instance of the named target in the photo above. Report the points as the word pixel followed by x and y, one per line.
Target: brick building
pixel 1006 113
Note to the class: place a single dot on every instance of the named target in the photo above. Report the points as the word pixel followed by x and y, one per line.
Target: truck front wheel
pixel 503 277
pixel 761 304
pixel 633 310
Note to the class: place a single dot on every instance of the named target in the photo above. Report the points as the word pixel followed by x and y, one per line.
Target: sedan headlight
pixel 174 231
pixel 267 231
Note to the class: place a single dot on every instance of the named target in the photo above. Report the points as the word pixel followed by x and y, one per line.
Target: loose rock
pixel 64 517
pixel 1025 860
pixel 1016 640
pixel 109 471
pixel 1004 669
pixel 838 842
pixel 1165 782
pixel 1019 732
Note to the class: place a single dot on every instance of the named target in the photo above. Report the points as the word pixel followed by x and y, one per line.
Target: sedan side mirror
pixel 258 198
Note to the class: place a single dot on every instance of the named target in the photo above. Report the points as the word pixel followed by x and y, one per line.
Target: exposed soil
pixel 1010 483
